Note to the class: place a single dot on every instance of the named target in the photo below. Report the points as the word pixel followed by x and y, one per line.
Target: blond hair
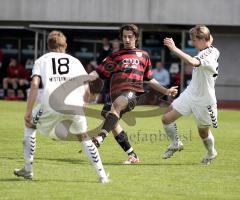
pixel 200 32
pixel 57 41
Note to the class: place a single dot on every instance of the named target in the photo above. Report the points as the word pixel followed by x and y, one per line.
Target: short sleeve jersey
pixel 127 69
pixel 201 89
pixel 55 69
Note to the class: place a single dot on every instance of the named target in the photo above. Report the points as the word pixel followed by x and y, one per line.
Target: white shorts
pixel 205 116
pixel 56 125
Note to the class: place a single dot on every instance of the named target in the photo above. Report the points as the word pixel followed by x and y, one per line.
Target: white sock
pixel 93 155
pixel 171 131
pixel 29 145
pixel 209 142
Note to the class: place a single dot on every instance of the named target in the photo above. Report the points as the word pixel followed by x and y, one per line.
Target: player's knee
pixel 5 81
pixel 203 132
pixel 21 82
pixel 120 103
pixel 106 109
pixel 165 120
pixel 14 81
pixel 83 136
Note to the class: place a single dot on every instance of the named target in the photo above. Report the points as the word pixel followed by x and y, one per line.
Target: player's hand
pixel 28 119
pixel 172 91
pixel 92 77
pixel 169 43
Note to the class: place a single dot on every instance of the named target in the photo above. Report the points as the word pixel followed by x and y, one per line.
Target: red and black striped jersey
pixel 127 69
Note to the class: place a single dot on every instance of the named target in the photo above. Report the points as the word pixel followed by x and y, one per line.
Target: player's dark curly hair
pixel 130 27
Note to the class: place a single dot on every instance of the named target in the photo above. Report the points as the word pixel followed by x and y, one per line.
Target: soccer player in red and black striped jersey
pixel 127 69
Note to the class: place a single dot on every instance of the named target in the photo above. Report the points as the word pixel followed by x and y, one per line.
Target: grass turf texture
pixel 61 172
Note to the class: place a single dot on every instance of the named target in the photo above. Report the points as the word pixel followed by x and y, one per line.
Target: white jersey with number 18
pixel 55 69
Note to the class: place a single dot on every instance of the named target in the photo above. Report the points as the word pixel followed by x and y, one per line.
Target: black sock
pixel 122 140
pixel 103 135
pixel 110 122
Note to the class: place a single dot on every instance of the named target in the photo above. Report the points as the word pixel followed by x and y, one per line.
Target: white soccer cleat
pixel 131 160
pixel 172 148
pixel 23 173
pixel 209 157
pixel 104 180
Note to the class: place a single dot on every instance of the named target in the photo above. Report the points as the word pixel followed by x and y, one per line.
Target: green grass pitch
pixel 61 172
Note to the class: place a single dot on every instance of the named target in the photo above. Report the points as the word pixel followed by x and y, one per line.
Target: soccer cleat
pixel 209 157
pixel 22 172
pixel 97 140
pixel 104 180
pixel 131 160
pixel 172 148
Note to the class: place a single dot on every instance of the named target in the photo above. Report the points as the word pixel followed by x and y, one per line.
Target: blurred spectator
pixel 17 79
pixel 89 67
pixel 161 74
pixel 115 45
pixel 1 65
pixel 163 77
pixel 175 75
pixel 187 74
pixel 1 58
pixel 105 51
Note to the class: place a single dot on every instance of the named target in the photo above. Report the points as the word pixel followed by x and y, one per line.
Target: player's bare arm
pixel 31 100
pixel 93 76
pixel 86 97
pixel 187 58
pixel 155 85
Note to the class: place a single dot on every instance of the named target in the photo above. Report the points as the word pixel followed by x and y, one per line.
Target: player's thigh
pixel 171 116
pixel 205 116
pixel 179 107
pixel 44 120
pixel 22 82
pixel 14 81
pixel 182 105
pixel 78 125
pixel 132 100
pixel 6 81
pixel 120 103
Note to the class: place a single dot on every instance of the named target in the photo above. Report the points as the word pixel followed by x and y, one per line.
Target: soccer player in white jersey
pixel 199 97
pixel 55 70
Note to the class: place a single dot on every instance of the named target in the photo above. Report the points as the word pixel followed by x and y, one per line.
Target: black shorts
pixel 132 98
